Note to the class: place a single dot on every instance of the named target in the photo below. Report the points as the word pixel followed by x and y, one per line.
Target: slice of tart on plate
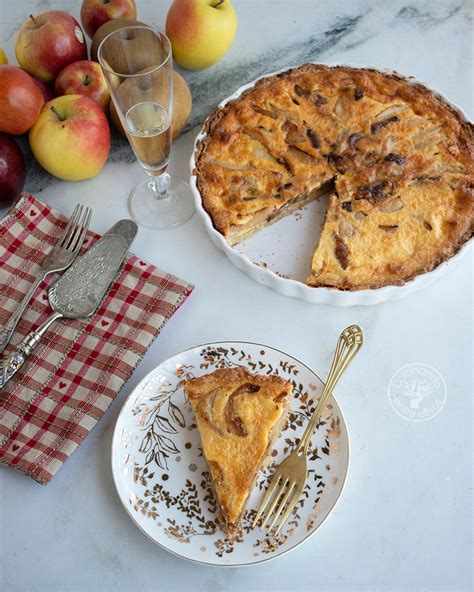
pixel 239 416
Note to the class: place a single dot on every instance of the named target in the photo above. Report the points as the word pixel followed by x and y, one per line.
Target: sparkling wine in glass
pixel 148 128
pixel 138 67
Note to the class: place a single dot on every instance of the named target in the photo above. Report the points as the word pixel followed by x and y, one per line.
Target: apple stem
pixel 55 111
pixel 218 4
pixel 87 80
pixel 34 21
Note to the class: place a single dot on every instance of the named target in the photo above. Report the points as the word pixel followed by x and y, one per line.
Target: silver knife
pixel 79 291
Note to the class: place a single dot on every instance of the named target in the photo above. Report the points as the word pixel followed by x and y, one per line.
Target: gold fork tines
pixel 288 481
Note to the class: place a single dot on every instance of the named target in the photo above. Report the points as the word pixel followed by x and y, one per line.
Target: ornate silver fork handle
pixel 12 363
pixel 7 331
pixel 60 258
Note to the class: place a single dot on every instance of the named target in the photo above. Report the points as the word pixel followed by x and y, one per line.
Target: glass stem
pixel 159 185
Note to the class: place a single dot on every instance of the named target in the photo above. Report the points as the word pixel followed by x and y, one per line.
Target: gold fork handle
pixel 349 343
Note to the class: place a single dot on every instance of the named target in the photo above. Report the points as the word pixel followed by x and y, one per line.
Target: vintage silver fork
pixel 60 258
pixel 290 475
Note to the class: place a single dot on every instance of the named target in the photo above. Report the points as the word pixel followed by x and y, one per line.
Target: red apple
pixel 12 170
pixel 48 42
pixel 94 13
pixel 20 100
pixel 44 88
pixel 71 138
pixel 84 78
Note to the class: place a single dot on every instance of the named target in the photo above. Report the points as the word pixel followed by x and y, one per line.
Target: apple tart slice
pixel 239 416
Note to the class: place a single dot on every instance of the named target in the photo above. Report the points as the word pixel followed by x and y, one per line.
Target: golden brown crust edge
pixel 438 105
pixel 193 386
pixel 401 282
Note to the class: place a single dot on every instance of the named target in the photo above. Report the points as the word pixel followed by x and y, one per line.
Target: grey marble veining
pixel 403 522
pixel 223 83
pixel 313 34
pixel 427 18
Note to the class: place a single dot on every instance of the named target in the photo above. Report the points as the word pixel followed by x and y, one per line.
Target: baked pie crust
pixel 239 416
pixel 396 159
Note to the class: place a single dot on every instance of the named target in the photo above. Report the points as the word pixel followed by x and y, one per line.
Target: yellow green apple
pixel 201 31
pixel 71 138
pixel 3 57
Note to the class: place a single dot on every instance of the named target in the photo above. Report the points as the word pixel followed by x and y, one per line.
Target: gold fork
pixel 290 475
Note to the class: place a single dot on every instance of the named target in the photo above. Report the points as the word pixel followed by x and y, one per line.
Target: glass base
pixel 152 211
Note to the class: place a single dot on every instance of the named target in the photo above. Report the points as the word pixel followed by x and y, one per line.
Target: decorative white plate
pixel 163 479
pixel 266 258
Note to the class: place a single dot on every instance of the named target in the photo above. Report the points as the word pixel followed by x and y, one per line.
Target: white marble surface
pixel 404 520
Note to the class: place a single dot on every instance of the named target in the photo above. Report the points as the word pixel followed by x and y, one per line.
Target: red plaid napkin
pixel 75 373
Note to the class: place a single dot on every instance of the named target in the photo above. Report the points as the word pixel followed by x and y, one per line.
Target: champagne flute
pixel 138 66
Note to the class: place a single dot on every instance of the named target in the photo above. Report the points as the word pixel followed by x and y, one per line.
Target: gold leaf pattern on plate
pixel 178 498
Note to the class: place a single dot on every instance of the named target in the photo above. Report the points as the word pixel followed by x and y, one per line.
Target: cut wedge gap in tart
pixel 400 159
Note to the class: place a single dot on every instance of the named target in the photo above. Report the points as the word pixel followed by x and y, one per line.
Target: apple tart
pixel 239 415
pixel 395 158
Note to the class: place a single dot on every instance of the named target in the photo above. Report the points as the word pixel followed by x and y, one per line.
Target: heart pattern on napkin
pixel 73 377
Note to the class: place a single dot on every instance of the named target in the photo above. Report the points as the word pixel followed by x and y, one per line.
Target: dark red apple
pixel 21 100
pixel 48 42
pixel 12 170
